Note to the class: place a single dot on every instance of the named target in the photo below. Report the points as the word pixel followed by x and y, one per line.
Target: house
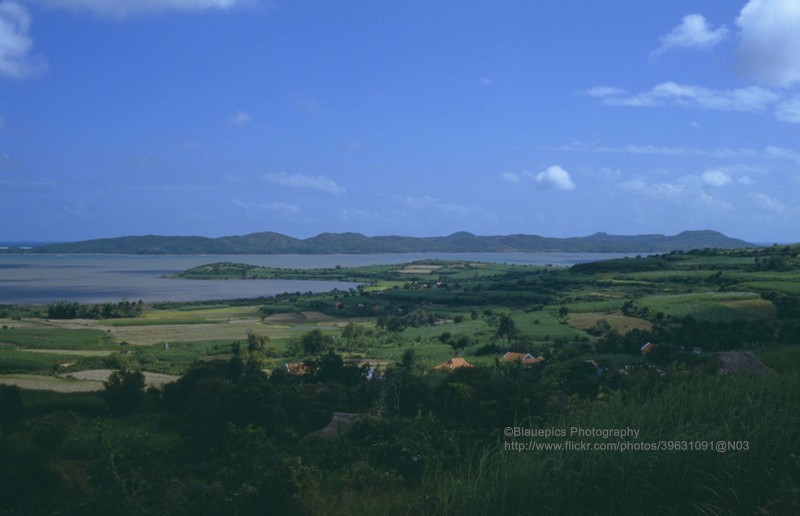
pixel 297 368
pixel 453 363
pixel 522 358
pixel 647 348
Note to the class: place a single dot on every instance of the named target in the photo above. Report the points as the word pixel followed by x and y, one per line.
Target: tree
pixel 124 391
pixel 506 327
pixel 256 342
pixel 314 342
pixel 11 406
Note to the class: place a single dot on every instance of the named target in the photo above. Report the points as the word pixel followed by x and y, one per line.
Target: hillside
pixel 356 243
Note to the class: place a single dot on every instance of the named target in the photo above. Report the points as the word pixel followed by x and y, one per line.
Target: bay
pixel 99 278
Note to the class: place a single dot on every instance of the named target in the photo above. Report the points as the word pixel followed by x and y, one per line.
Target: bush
pixel 124 392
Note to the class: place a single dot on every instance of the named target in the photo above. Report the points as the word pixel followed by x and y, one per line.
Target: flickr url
pixel 625 446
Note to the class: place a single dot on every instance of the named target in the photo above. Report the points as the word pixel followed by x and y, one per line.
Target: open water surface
pixel 99 278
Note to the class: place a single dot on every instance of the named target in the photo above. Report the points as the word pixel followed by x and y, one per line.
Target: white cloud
pixel 358 215
pixel 239 118
pixel 768 202
pixel 604 91
pixel 655 190
pixel 277 207
pixel 752 98
pixel 789 110
pixel 714 204
pixel 511 177
pixel 16 60
pixel 555 178
pixel 693 32
pixel 715 178
pixel 666 190
pixel 124 8
pixel 654 150
pixel 770 39
pixel 782 153
pixel 302 181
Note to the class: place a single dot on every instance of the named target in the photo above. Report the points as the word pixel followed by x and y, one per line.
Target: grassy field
pixel 718 306
pixel 449 292
pixel 617 321
pixel 56 338
pixel 233 436
pixel 700 410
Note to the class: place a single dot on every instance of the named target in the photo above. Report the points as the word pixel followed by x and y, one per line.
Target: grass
pixel 56 338
pixel 51 383
pixel 620 322
pixel 20 361
pixel 717 306
pixel 760 411
pixel 48 401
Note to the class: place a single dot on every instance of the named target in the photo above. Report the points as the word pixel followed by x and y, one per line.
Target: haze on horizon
pixel 557 118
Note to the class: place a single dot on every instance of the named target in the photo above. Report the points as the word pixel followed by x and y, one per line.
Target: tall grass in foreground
pixel 765 479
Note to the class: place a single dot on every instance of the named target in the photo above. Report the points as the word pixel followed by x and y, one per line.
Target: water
pixel 97 278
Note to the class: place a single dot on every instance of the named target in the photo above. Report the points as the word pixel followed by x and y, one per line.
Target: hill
pixel 356 243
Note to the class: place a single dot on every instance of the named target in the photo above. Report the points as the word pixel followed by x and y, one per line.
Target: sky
pixel 555 117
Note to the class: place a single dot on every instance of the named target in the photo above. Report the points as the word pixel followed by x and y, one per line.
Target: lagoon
pixel 99 278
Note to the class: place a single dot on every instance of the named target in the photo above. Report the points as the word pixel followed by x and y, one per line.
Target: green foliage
pixel 124 392
pixel 11 406
pixel 66 310
pixel 315 342
pixel 761 411
pixel 57 338
pixel 228 437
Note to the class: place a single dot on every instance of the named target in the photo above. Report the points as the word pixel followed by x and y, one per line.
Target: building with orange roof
pixel 453 363
pixel 522 358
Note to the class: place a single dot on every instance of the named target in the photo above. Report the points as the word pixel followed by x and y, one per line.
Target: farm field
pixel 635 342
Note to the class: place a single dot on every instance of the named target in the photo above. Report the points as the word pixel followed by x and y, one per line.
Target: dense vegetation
pixel 330 403
pixel 355 243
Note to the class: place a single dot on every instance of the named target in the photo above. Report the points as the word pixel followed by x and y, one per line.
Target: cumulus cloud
pixel 693 32
pixel 789 110
pixel 715 204
pixel 511 177
pixel 752 98
pixel 770 39
pixel 605 91
pixel 554 178
pixel 715 178
pixel 239 118
pixel 768 202
pixel 782 153
pixel 124 8
pixel 655 190
pixel 302 181
pixel 16 45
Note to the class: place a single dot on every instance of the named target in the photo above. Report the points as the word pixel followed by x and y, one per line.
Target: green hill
pixel 356 243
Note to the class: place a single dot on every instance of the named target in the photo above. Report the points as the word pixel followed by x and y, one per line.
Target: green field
pixel 219 423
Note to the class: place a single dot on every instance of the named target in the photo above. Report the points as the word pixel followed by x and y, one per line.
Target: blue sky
pixel 554 117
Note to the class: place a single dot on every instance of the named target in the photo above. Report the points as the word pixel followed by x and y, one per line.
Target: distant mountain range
pixel 356 243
